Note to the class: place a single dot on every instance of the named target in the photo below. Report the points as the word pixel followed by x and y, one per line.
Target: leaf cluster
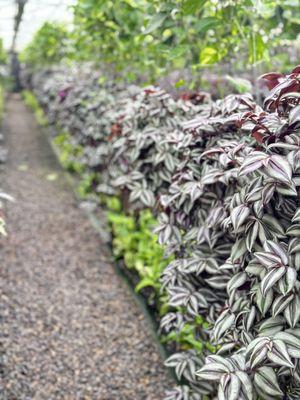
pixel 51 44
pixel 135 243
pixel 222 178
pixel 146 39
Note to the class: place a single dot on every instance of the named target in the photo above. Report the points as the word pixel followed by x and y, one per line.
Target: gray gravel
pixel 69 327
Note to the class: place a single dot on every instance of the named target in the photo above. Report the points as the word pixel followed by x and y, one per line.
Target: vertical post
pixel 20 5
pixel 15 65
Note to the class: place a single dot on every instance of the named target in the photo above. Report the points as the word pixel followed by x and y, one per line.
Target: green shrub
pixel 32 102
pixel 51 43
pixel 230 215
pixel 135 243
pixel 69 153
pixel 87 183
pixel 224 187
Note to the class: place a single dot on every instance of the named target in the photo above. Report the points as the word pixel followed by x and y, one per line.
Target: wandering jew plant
pixel 76 102
pixel 223 179
pixel 144 150
pixel 232 217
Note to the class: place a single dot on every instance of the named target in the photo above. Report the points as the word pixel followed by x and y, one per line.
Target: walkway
pixel 69 327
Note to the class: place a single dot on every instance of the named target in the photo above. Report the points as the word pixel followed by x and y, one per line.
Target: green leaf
pixel 256 48
pixel 154 23
pixel 279 354
pixel 208 55
pixel 271 278
pixel 212 371
pixel 280 303
pixel 146 282
pixel 296 217
pixel 292 342
pixel 241 85
pixel 279 168
pixel 264 302
pixel 265 381
pixel 287 283
pixel 247 387
pixel 293 230
pixel 236 281
pixel 271 326
pixel 207 23
pixel 252 162
pixel 192 6
pixel 238 249
pixel 292 311
pixel 239 215
pixel 179 83
pixel 234 387
pixel 258 355
pixel 252 235
pixel 223 325
pixel 147 197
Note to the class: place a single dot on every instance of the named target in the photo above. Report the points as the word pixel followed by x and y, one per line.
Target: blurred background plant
pixel 50 45
pixel 145 40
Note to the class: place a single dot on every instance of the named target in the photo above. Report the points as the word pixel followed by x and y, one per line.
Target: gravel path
pixel 69 327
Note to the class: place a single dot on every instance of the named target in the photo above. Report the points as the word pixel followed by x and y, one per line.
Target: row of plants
pixel 143 39
pixel 220 181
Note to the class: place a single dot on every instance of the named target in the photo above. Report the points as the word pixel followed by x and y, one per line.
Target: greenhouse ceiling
pixel 36 12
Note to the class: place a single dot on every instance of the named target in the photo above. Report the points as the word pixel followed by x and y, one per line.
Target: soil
pixel 70 328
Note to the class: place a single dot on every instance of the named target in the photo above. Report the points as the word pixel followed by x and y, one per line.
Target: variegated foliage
pixel 232 217
pixel 76 102
pixel 123 132
pixel 146 150
pixel 223 178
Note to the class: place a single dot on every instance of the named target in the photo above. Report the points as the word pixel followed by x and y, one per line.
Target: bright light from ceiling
pixel 36 13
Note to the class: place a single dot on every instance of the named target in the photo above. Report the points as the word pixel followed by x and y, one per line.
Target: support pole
pixel 20 4
pixel 15 64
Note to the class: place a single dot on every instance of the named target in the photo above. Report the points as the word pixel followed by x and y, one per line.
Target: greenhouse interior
pixel 150 199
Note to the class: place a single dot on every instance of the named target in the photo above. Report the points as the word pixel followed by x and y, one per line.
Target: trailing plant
pixel 222 178
pixel 141 148
pixel 230 217
pixel 237 262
